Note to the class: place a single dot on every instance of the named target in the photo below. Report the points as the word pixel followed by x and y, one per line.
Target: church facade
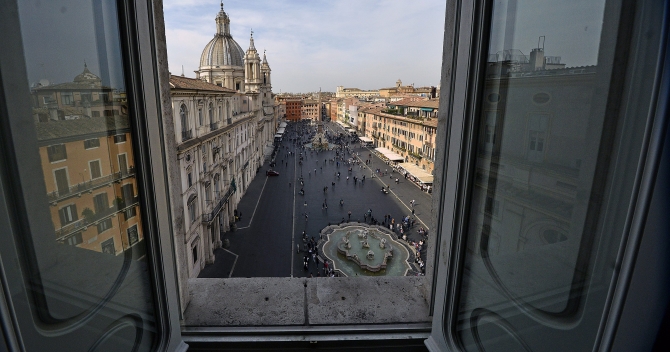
pixel 224 121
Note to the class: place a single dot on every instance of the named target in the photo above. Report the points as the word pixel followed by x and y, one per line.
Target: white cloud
pixel 366 44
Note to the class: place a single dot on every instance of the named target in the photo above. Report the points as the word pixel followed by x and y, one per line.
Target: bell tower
pixel 265 72
pixel 252 68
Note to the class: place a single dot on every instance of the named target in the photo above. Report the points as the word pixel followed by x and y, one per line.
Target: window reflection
pixel 87 163
pixel 527 255
pixel 88 272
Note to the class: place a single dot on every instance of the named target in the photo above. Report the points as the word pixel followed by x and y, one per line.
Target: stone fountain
pixel 373 252
pixel 319 142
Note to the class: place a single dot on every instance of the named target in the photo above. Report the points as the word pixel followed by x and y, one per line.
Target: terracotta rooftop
pixel 79 127
pixel 179 82
pixel 434 103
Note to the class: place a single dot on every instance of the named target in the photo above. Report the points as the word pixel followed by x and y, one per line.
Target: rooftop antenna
pixel 182 70
pixel 538 42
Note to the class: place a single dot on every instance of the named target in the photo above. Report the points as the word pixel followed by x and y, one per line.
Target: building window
pixel 537 127
pixel 56 152
pixel 74 239
pixel 119 138
pixel 104 225
pixel 96 171
pixel 133 236
pixel 536 141
pixel 211 112
pixel 129 213
pixel 100 203
pixel 191 208
pixel 91 143
pixel 183 113
pixel 190 180
pixel 68 214
pixel 194 252
pixel 108 246
pixel 127 195
pixel 67 98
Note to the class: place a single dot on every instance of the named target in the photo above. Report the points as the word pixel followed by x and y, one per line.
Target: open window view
pixel 180 175
pixel 284 174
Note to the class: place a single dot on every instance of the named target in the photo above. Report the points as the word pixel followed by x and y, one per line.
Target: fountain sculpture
pixel 365 250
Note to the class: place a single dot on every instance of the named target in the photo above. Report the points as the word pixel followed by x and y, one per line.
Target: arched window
pixel 191 208
pixel 211 112
pixel 183 113
pixel 217 186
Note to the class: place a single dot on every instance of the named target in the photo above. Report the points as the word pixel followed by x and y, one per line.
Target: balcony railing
pixel 55 196
pixel 214 126
pixel 220 202
pixel 186 135
pixel 85 222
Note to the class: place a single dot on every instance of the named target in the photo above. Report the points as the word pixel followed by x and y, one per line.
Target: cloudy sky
pixel 310 44
pixel 319 43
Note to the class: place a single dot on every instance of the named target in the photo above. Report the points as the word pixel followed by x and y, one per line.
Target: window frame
pixel 140 22
pixel 464 52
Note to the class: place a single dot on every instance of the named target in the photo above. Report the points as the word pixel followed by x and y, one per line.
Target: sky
pixel 311 44
pixel 367 44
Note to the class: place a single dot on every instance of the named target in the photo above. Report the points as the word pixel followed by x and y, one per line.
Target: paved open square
pixel 268 241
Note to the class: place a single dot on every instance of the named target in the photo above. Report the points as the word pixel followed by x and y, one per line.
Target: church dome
pixel 87 77
pixel 222 50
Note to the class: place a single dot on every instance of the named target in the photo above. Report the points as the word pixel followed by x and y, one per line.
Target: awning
pixel 282 125
pixel 422 175
pixel 278 135
pixel 390 155
pixel 426 109
pixel 280 131
pixel 365 139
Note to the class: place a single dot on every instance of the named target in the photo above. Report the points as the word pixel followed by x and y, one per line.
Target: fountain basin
pixel 360 250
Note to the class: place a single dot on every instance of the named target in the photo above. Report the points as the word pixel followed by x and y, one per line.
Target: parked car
pixel 272 173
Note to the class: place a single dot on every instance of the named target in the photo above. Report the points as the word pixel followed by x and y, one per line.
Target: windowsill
pixel 236 302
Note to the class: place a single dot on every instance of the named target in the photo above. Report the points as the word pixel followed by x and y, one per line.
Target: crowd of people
pixel 343 150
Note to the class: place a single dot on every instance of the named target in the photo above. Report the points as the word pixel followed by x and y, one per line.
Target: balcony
pixel 229 121
pixel 186 135
pixel 220 202
pixel 214 126
pixel 83 223
pixel 56 196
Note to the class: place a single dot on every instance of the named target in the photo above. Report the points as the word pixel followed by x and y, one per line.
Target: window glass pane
pixel 88 265
pixel 527 252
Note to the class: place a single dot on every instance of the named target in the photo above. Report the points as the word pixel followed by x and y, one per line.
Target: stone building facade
pixel 224 120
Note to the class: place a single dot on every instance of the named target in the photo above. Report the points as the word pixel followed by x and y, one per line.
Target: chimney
pixel 536 59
